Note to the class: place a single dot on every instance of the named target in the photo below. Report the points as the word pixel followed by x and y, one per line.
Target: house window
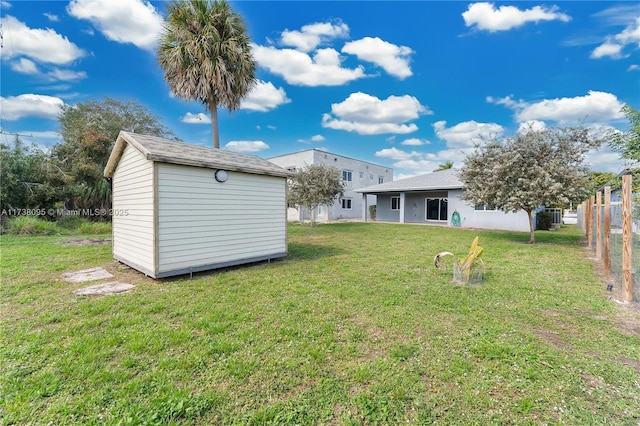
pixel 380 179
pixel 347 175
pixel 482 208
pixel 361 175
pixel 346 203
pixel 370 177
pixel 436 209
pixel 395 203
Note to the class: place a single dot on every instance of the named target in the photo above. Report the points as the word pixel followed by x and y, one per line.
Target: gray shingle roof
pixel 174 152
pixel 443 179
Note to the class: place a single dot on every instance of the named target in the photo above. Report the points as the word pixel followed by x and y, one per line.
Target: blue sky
pixel 408 85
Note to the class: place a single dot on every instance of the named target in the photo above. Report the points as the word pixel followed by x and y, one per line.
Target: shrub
pixel 544 221
pixel 31 225
pixel 95 227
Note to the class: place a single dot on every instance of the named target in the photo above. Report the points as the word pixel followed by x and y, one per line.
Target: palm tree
pixel 205 53
pixel 445 166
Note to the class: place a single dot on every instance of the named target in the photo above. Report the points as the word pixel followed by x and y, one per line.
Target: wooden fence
pixel 596 224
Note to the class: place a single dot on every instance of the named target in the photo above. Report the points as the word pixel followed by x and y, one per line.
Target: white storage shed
pixel 180 208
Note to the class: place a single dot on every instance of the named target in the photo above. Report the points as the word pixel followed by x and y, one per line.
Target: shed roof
pixel 443 179
pixel 169 151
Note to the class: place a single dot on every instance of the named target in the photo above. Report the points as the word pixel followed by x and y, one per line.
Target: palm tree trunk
pixel 213 109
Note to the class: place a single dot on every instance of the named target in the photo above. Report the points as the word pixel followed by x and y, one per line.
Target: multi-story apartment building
pixel 355 174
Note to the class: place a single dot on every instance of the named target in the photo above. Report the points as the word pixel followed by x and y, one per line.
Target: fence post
pixel 599 225
pixel 607 230
pixel 589 222
pixel 627 278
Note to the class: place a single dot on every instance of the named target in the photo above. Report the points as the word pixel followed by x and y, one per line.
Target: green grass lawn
pixel 354 327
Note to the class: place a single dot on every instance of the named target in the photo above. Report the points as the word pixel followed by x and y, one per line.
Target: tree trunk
pixel 213 109
pixel 532 238
pixel 311 216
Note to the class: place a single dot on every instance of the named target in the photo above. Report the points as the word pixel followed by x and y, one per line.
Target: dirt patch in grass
pixel 87 242
pixel 552 338
pixel 628 320
pixel 631 362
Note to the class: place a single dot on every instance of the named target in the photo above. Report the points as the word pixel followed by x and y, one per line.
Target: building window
pixel 395 203
pixel 347 175
pixel 436 209
pixel 370 177
pixel 380 179
pixel 346 203
pixel 482 208
pixel 361 175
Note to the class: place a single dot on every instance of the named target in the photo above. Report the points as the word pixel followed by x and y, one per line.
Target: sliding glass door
pixel 436 209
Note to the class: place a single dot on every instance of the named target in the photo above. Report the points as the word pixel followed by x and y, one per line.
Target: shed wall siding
pixel 133 202
pixel 205 222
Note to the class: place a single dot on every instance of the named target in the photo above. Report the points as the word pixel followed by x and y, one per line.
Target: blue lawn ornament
pixel 455 219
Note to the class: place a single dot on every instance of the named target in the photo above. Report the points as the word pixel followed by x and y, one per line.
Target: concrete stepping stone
pixel 104 289
pixel 91 274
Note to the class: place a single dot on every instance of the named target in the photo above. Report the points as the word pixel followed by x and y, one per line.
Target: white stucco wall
pixel 363 174
pixel 415 212
pixel 471 218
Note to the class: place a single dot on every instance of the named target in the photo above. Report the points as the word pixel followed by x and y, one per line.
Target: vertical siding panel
pixel 133 210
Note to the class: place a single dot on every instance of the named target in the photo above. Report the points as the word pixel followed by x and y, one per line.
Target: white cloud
pixel 200 118
pixel 415 142
pixel 41 45
pixel 246 146
pixel 393 59
pixel 25 66
pixel 485 16
pixel 66 75
pixel 5 4
pixel 605 160
pixel 613 50
pixel 420 163
pixel 264 97
pixel 467 133
pixel 30 105
pixel 534 125
pixel 311 36
pixel 52 17
pixel 613 45
pixel 313 139
pixel 396 154
pixel 633 67
pixel 368 115
pixel 298 68
pixel 123 21
pixel 594 107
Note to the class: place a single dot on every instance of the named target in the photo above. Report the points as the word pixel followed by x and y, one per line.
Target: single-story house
pixel 180 208
pixel 436 198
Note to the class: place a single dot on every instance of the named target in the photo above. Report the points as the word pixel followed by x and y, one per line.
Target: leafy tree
pixel 599 179
pixel 315 185
pixel 628 143
pixel 444 166
pixel 89 130
pixel 534 168
pixel 205 53
pixel 29 178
